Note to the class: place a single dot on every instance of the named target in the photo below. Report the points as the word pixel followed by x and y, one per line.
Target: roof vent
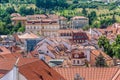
pixel 77 77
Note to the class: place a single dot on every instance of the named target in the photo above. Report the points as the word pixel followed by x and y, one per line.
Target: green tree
pixel 26 11
pixel 113 18
pixel 10 10
pixel 117 40
pixel 96 24
pixel 50 4
pixel 4 1
pixel 92 17
pixel 75 1
pixel 116 51
pixel 29 11
pixel 21 29
pixel 116 47
pixel 39 3
pixel 100 61
pixel 22 10
pixel 2 24
pixel 17 27
pixel 103 42
pixel 84 11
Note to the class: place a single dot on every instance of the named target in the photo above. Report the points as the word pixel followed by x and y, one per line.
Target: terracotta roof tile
pixel 39 71
pixel 4 50
pixel 118 78
pixel 31 68
pixel 87 73
pixel 3 72
pixel 97 53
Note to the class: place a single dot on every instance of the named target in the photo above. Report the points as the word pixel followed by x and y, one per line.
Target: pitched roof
pixel 19 18
pixel 4 50
pixel 15 14
pixel 88 73
pixel 28 36
pixel 30 68
pixel 39 71
pixel 10 56
pixel 79 17
pixel 6 66
pixel 97 53
pixel 118 78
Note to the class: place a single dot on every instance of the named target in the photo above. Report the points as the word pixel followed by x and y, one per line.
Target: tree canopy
pixel 111 49
pixel 100 61
pixel 51 4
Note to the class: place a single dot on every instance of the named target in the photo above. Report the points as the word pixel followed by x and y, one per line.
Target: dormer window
pixel 76 56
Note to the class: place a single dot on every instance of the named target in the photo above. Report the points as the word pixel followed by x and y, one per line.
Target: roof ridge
pixel 28 62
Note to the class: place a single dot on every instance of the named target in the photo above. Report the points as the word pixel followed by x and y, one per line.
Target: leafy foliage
pixel 26 11
pixel 51 4
pixel 92 16
pixel 111 49
pixel 100 61
pixel 10 10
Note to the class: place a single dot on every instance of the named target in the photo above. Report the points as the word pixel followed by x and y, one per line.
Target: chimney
pixel 77 77
pixel 41 55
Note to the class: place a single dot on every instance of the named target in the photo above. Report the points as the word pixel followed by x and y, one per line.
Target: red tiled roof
pixel 97 53
pixel 10 56
pixel 4 50
pixel 88 73
pixel 117 75
pixel 3 72
pixel 118 78
pixel 30 68
pixel 19 18
pixel 6 64
pixel 39 71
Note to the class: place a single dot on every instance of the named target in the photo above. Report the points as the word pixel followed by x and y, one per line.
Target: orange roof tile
pixel 39 71
pixel 30 68
pixel 88 73
pixel 10 56
pixel 97 53
pixel 118 78
pixel 4 50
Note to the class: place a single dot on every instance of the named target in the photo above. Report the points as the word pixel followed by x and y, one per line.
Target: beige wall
pixel 78 62
pixel 45 30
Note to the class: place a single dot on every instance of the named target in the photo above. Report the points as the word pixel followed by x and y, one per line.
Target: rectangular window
pixel 73 61
pixel 78 62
